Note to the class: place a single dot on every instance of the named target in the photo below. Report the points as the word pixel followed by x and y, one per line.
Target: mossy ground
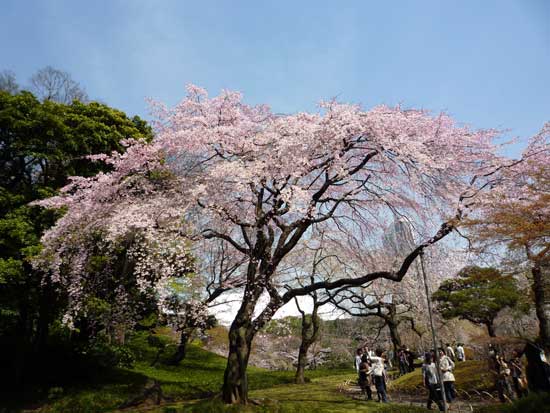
pixel 194 386
pixel 320 395
pixel 534 403
pixel 199 376
pixel 469 375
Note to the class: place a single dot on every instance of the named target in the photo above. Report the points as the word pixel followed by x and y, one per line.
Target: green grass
pixel 320 396
pixel 194 386
pixel 199 376
pixel 469 375
pixel 534 403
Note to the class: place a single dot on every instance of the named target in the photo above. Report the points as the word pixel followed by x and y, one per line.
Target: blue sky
pixel 485 62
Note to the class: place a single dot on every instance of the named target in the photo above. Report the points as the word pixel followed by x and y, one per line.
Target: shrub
pixel 108 355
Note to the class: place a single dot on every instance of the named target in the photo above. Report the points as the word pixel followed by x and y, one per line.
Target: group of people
pixel 405 357
pixel 457 353
pixel 371 368
pixel 510 379
pixel 432 379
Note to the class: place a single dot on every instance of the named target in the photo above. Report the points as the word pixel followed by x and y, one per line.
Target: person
pixel 411 355
pixel 379 373
pixel 431 381
pixel 358 356
pixel 447 365
pixel 390 360
pixel 403 361
pixel 367 351
pixel 365 381
pixel 492 351
pixel 449 352
pixel 503 372
pixel 460 355
pixel 538 368
pixel 518 379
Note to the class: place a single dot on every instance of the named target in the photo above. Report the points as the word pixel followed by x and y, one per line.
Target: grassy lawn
pixel 193 386
pixel 534 403
pixel 469 375
pixel 199 376
pixel 320 396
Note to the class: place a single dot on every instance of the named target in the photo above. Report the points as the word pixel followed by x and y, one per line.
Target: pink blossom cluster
pixel 220 168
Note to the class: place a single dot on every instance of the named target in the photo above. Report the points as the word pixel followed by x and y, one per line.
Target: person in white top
pixel 379 375
pixel 447 365
pixel 431 381
pixel 460 355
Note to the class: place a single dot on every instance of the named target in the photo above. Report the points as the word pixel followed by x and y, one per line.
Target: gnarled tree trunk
pixel 302 362
pixel 394 335
pixel 181 351
pixel 310 333
pixel 235 380
pixel 241 333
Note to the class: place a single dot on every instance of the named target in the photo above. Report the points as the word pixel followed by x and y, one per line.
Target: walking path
pixel 467 403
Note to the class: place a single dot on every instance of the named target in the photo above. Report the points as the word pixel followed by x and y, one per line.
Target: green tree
pixel 478 294
pixel 41 145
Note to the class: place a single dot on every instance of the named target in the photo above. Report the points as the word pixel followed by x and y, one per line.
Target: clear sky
pixel 485 62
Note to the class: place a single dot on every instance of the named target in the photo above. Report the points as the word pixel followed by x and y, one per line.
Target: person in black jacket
pixel 365 377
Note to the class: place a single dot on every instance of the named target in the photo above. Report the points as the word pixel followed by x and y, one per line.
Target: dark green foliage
pixel 41 144
pixel 477 294
pixel 102 354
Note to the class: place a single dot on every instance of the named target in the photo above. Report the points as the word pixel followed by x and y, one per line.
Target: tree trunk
pixel 235 380
pixel 241 333
pixel 491 329
pixel 395 337
pixel 392 322
pixel 302 361
pixel 541 290
pixel 310 334
pixel 181 351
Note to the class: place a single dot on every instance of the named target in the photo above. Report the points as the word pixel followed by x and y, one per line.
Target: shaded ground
pixel 322 395
pixel 194 385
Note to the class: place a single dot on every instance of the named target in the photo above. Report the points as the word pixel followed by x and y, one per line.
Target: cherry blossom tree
pixel 261 182
pixel 516 215
pixel 309 264
pixel 396 304
pixel 92 256
pixel 219 270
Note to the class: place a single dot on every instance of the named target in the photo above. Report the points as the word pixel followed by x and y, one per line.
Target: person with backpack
pixel 431 381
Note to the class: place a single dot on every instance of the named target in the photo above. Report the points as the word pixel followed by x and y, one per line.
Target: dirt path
pixel 460 405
